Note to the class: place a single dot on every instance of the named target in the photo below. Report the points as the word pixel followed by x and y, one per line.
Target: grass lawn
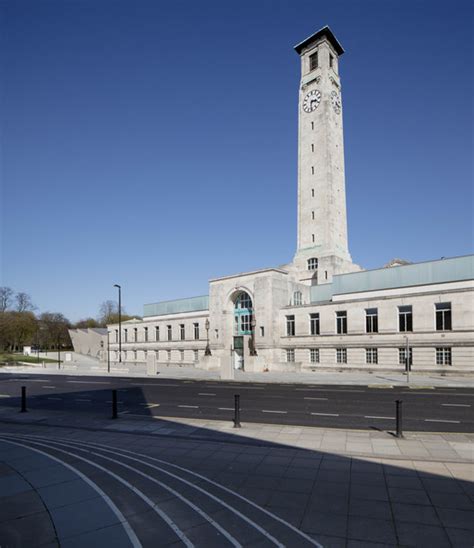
pixel 6 359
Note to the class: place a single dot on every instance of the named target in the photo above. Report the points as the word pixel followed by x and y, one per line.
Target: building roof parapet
pixel 325 32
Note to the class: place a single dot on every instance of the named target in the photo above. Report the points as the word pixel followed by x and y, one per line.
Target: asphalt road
pixel 358 407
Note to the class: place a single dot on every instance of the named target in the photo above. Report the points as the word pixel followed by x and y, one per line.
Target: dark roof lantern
pixel 325 32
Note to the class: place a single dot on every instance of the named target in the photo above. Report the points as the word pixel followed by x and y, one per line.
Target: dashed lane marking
pixel 442 420
pixel 311 398
pixel 205 394
pixel 225 408
pixel 375 417
pixel 272 411
pixel 149 405
pixel 456 404
pixel 48 387
pixel 189 406
pixel 89 382
pixel 54 399
pixel 5 396
pixel 326 414
pixel 82 399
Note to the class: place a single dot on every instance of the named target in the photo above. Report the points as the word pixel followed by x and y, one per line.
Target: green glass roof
pixel 192 304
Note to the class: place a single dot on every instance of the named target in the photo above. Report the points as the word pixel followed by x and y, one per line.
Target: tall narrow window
pixel 135 334
pixel 312 125
pixel 312 215
pixel 125 335
pixel 371 320
pixel 290 354
pixel 402 356
pixel 312 147
pixel 314 323
pixel 371 356
pixel 405 318
pixel 196 355
pixel 331 61
pixel 262 331
pixel 341 322
pixel 157 333
pixel 297 298
pixel 157 355
pixel 116 335
pixel 341 355
pixel 314 355
pixel 182 334
pixel 168 328
pixel 196 331
pixel 145 334
pixel 443 356
pixel 181 355
pixel 169 355
pixel 312 237
pixel 312 170
pixel 313 61
pixel 312 192
pixel 443 316
pixel 290 326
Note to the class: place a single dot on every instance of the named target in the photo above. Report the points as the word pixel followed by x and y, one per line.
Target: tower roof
pixel 325 32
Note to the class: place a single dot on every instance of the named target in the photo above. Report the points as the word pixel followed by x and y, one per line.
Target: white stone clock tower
pixel 322 248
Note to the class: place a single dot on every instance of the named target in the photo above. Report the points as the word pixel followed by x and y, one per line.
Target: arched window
pixel 243 314
pixel 297 298
pixel 313 264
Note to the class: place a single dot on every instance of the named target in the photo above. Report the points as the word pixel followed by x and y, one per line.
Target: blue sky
pixel 154 144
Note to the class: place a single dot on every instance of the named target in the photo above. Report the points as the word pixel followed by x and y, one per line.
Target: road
pixel 357 407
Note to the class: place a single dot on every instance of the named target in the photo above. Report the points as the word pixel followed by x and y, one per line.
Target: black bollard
pixel 236 411
pixel 114 404
pixel 399 418
pixel 23 399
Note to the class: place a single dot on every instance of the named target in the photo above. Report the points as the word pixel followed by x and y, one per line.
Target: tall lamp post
pixel 407 351
pixel 253 350
pixel 120 319
pixel 108 351
pixel 207 352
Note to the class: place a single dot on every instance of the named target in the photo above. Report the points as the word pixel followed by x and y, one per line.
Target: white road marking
pixel 375 417
pixel 48 387
pixel 456 405
pixel 130 533
pixel 5 396
pixel 149 405
pixel 442 420
pixel 205 394
pixel 82 399
pixel 189 406
pixel 271 411
pixel 54 398
pixel 110 401
pixel 310 398
pixel 225 408
pixel 89 382
pixel 160 512
pixel 326 414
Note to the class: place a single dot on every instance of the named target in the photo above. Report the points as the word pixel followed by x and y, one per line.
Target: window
pixel 116 335
pixel 134 354
pixel 341 322
pixel 290 354
pixel 331 61
pixel 371 356
pixel 243 314
pixel 145 353
pixel 196 355
pixel 371 320
pixel 196 331
pixel 125 335
pixel 290 326
pixel 312 125
pixel 312 193
pixel 313 264
pixel 405 318
pixel 181 331
pixel 297 298
pixel 145 334
pixel 443 356
pixel 314 324
pixel 402 356
pixel 312 172
pixel 341 355
pixel 157 355
pixel 135 334
pixel 262 331
pixel 312 147
pixel 314 355
pixel 157 333
pixel 312 237
pixel 313 61
pixel 312 215
pixel 168 327
pixel 169 355
pixel 443 316
pixel 181 355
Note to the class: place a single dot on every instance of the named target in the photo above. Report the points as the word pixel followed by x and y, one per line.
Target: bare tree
pixel 6 297
pixel 107 310
pixel 24 302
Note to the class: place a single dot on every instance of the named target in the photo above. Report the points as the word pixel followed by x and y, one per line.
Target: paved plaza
pixel 72 481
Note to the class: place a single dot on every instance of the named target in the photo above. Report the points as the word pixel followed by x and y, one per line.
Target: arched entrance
pixel 243 316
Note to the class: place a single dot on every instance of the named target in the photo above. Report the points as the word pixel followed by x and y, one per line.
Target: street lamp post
pixel 59 353
pixel 207 352
pixel 253 350
pixel 120 319
pixel 108 351
pixel 407 359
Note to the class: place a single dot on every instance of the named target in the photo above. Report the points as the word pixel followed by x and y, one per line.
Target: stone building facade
pixel 320 311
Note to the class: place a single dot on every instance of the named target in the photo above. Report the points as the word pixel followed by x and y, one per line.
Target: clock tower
pixel 322 248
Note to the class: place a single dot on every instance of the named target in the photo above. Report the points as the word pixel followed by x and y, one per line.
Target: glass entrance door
pixel 238 352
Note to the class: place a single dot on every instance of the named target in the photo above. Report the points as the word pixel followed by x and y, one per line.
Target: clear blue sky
pixel 154 144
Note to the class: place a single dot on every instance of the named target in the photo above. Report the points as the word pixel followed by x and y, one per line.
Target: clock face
pixel 312 100
pixel 336 101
